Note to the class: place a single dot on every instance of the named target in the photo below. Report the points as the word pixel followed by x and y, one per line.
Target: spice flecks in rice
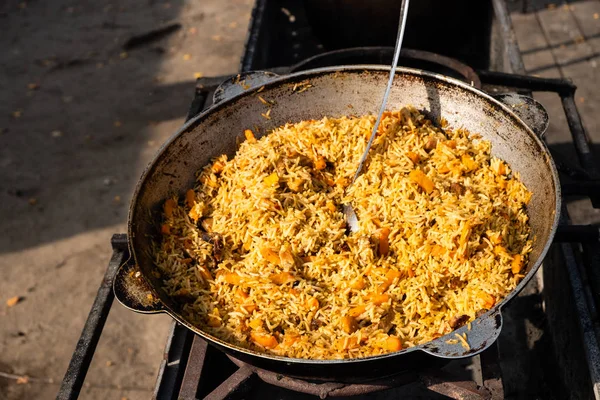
pixel 258 255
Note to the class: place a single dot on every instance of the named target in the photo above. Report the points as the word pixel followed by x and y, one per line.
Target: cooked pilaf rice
pixel 258 254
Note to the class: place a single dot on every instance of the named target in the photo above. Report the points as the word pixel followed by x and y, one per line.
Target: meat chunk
pixel 430 145
pixel 386 321
pixel 316 323
pixel 458 320
pixel 217 241
pixel 457 189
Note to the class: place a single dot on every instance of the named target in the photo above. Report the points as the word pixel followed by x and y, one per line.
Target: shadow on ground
pixel 80 115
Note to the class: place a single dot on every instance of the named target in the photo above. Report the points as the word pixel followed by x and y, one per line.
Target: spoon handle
pixel 402 25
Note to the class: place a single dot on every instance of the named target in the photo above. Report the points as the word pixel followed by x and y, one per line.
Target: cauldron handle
pixel 132 291
pixel 482 334
pixel 240 83
pixel 531 111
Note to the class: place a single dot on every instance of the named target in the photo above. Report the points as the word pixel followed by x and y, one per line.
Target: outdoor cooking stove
pixel 557 357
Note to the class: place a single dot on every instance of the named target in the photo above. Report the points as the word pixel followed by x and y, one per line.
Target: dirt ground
pixel 80 117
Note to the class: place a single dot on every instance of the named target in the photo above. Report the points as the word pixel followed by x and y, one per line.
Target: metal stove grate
pixel 183 373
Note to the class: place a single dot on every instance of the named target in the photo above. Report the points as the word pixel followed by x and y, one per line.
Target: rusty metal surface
pixel 435 380
pixel 329 389
pixel 133 291
pixel 231 386
pixel 215 132
pixel 445 384
pixel 193 369
pixel 246 381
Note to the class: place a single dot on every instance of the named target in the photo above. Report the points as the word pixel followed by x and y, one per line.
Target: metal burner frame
pixel 576 247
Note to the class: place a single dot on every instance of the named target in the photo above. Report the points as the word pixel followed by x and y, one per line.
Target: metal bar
pixel 193 371
pixel 577 234
pixel 447 385
pixel 232 385
pixel 492 374
pixel 590 188
pixel 581 140
pixel 86 346
pixel 511 48
pixel 591 253
pixel 198 102
pixel 173 365
pixel 590 342
pixel 249 59
pixel 533 83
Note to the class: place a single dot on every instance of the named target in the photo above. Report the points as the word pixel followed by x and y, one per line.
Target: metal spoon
pixel 351 218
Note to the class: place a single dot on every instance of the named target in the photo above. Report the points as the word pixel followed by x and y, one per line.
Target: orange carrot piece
pixel 272 179
pixel 295 184
pixel 390 276
pixel 384 245
pixel 194 215
pixel 377 298
pixel 218 167
pixel 517 264
pixel 165 229
pixel 437 250
pixel 190 198
pixel 270 255
pixel 422 180
pixel 450 143
pixel 414 157
pixel 393 343
pixel 488 299
pixel 282 278
pixel 256 323
pixel 502 168
pixel 349 324
pixel 468 162
pixel 500 250
pixel 290 338
pixel 331 207
pixel 249 136
pixel 169 206
pixel 264 339
pixel 249 307
pixel 358 284
pixel 320 163
pixel 312 303
pixel 241 295
pixel 233 279
pixel 356 311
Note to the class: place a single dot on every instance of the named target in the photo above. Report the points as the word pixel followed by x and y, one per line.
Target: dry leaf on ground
pixel 13 301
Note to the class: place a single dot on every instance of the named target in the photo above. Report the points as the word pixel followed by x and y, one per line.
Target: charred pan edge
pixel 437 347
